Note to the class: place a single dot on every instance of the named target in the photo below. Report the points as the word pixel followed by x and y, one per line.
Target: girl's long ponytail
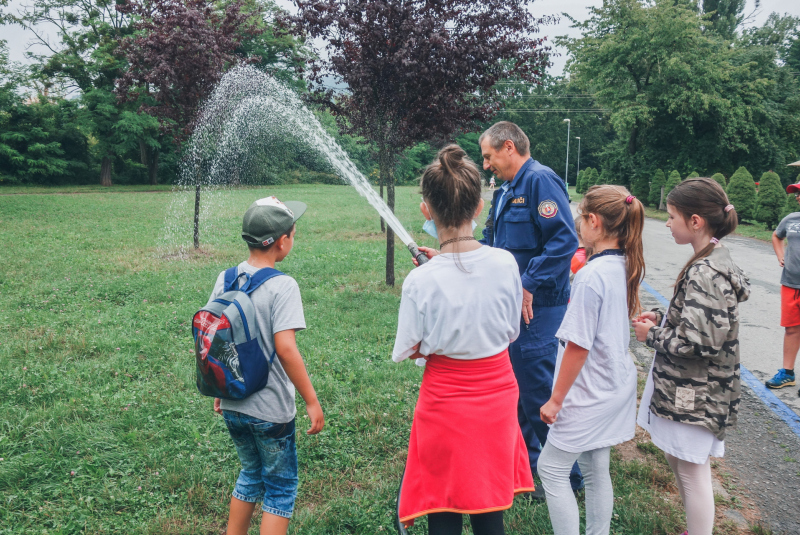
pixel 634 255
pixel 623 219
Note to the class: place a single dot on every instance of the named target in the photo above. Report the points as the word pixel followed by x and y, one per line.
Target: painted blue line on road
pixel 771 400
pixel 777 406
pixel 652 291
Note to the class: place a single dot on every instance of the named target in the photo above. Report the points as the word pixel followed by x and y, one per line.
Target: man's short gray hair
pixel 503 131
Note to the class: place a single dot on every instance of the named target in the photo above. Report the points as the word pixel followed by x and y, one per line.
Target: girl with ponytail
pixel 593 404
pixel 692 393
pixel 458 314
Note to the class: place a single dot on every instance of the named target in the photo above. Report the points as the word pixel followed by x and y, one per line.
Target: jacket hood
pixel 720 261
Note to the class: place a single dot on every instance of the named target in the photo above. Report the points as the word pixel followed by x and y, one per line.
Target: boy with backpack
pixel 262 425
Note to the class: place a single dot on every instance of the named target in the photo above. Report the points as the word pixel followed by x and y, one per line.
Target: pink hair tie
pixel 728 208
pixel 629 199
pixel 715 241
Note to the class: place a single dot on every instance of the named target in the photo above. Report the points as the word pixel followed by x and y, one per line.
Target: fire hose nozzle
pixel 417 254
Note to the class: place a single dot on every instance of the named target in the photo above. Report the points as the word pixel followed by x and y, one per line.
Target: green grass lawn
pixel 101 427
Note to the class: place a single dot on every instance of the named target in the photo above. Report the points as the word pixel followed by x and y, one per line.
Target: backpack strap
pixel 258 278
pixel 231 275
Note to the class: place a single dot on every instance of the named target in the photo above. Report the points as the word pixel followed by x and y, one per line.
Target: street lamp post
pixel 579 159
pixel 566 171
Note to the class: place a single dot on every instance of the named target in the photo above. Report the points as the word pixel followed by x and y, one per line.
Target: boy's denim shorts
pixel 268 454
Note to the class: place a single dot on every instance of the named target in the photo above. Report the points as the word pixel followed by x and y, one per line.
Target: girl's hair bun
pixel 451 157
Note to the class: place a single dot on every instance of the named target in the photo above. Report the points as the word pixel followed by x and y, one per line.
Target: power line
pixel 557 110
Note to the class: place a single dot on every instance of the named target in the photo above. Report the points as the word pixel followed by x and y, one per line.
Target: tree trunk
pixel 105 171
pixel 390 232
pixel 632 140
pixel 380 181
pixel 197 217
pixel 661 202
pixel 152 168
pixel 150 162
pixel 387 177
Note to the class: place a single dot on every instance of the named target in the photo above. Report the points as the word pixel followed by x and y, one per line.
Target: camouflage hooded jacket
pixel 696 369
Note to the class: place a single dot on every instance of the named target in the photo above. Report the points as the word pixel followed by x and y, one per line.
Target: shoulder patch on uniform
pixel 548 209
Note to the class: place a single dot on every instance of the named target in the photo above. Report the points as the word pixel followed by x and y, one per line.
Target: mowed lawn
pixel 102 429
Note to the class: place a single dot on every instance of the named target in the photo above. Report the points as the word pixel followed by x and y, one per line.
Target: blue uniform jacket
pixel 535 225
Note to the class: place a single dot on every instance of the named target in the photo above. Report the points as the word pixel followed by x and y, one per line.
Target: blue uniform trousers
pixel 533 357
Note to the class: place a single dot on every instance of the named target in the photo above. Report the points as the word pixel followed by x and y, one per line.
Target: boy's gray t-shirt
pixel 789 228
pixel 278 308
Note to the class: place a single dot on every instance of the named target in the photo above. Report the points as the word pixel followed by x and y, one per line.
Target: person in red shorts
pixel 789 258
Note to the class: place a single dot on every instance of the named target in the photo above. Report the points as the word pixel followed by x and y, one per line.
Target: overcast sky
pixel 18 39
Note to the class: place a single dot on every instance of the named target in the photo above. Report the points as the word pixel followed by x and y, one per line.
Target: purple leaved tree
pixel 415 71
pixel 177 55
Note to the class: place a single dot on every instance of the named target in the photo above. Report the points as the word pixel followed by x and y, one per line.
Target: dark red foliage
pixel 417 70
pixel 178 54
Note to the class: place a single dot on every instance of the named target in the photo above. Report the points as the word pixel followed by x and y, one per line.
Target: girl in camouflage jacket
pixel 692 393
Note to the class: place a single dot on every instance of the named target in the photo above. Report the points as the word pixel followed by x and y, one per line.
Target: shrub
pixel 720 179
pixel 590 178
pixel 595 179
pixel 790 206
pixel 580 183
pixel 742 193
pixel 771 200
pixel 693 174
pixel 673 180
pixel 640 187
pixel 654 198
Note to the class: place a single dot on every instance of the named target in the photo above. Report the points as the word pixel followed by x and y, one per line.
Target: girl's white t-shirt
pixel 464 306
pixel 600 408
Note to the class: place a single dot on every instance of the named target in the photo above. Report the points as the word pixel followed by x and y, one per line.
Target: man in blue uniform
pixel 530 218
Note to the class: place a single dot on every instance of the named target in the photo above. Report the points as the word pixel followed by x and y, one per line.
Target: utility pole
pixel 579 158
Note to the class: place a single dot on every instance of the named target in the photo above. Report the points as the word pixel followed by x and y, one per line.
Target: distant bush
pixel 659 179
pixel 580 183
pixel 673 180
pixel 640 187
pixel 771 201
pixel 742 193
pixel 693 174
pixel 790 206
pixel 720 179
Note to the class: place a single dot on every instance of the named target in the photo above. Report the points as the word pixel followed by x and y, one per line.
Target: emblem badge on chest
pixel 548 209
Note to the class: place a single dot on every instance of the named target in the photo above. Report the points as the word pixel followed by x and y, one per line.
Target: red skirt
pixel 466 453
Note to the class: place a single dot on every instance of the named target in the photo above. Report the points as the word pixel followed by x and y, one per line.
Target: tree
pixel 673 180
pixel 790 206
pixel 580 183
pixel 172 70
pixel 679 94
pixel 415 71
pixel 693 174
pixel 724 16
pixel 720 179
pixel 592 178
pixel 742 193
pixel 84 62
pixel 659 181
pixel 640 187
pixel 771 200
pixel 552 95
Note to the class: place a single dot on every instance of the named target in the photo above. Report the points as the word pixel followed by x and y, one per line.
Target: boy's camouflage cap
pixel 268 219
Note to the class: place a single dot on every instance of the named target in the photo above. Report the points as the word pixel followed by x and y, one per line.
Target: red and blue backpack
pixel 231 357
